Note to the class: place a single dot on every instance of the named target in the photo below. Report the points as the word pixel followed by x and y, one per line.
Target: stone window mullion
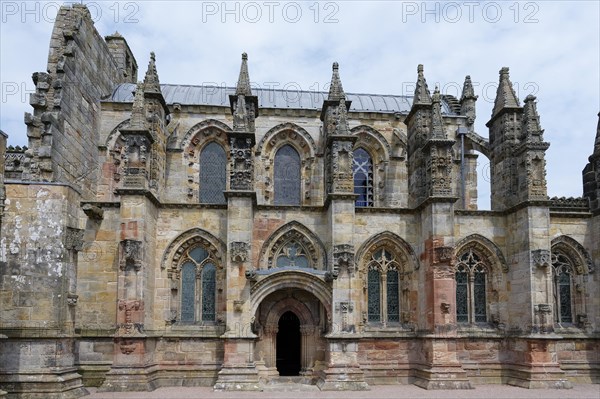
pixel 383 293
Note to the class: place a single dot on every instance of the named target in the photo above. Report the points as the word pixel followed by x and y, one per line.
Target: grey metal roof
pixel 271 98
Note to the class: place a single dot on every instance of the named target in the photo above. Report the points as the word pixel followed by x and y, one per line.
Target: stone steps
pixel 289 384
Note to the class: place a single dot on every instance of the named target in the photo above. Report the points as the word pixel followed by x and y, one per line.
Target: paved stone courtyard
pixel 579 391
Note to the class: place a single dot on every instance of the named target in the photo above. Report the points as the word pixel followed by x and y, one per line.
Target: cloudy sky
pixel 551 47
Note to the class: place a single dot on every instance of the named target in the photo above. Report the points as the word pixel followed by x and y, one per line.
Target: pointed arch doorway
pixel 292 323
pixel 288 345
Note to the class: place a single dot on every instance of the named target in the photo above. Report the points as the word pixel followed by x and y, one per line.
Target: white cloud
pixel 552 49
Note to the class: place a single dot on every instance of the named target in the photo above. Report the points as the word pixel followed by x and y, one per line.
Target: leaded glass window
pixel 188 291
pixel 462 294
pixel 479 295
pixel 393 308
pixel 287 176
pixel 383 288
pixel 374 295
pixel 471 288
pixel 362 167
pixel 292 254
pixel 563 308
pixel 213 174
pixel 209 279
pixel 198 286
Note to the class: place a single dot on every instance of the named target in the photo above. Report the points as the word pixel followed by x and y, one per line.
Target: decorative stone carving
pixel 127 347
pixel 72 299
pixel 443 255
pixel 238 305
pixel 543 311
pixel 130 330
pixel 331 275
pixel 445 307
pixel 541 258
pixel 74 239
pixel 130 252
pixel 443 271
pixel 341 176
pixel 345 307
pixel 93 212
pixel 251 275
pixel 129 307
pixel 343 257
pixel 239 251
pixel 242 164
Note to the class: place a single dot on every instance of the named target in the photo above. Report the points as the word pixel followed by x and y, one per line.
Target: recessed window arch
pixel 362 169
pixel 383 288
pixel 213 174
pixel 287 176
pixel 562 273
pixel 198 286
pixel 472 288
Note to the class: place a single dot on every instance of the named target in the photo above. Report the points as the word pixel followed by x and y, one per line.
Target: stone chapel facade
pixel 157 234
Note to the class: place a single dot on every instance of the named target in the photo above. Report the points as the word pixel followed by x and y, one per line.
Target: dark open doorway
pixel 288 345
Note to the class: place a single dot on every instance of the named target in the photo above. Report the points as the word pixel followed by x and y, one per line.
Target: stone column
pixel 440 368
pixel 533 352
pixel 307 346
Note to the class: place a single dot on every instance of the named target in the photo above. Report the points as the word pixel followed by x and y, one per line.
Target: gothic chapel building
pixel 156 234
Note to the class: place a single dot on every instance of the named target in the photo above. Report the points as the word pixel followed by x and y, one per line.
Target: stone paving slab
pixel 579 391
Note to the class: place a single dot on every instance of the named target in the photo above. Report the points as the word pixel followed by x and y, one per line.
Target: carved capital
pixel 239 251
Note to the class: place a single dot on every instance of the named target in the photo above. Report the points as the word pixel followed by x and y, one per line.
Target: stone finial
pixel 243 84
pixel 597 141
pixel 467 102
pixel 151 82
pixel 505 95
pixel 468 93
pixel 138 119
pixel 422 95
pixel 437 124
pixel 531 119
pixel 336 91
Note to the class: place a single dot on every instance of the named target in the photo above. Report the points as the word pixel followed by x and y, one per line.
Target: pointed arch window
pixel 287 176
pixel 213 174
pixel 471 288
pixel 383 288
pixel 563 292
pixel 362 168
pixel 198 287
